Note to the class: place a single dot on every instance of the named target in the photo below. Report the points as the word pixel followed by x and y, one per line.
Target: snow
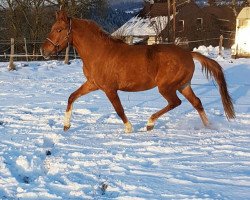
pixel 138 26
pixel 95 159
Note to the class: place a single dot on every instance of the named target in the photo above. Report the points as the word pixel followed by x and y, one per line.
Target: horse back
pixel 140 67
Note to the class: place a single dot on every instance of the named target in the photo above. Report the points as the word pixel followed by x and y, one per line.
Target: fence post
pixel 12 51
pixel 74 52
pixel 66 59
pixel 220 45
pixel 25 48
pixel 34 51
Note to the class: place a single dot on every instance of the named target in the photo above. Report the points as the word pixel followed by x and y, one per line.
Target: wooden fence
pixel 8 53
pixel 68 53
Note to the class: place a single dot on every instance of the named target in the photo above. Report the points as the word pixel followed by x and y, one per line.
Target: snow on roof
pixel 244 13
pixel 137 26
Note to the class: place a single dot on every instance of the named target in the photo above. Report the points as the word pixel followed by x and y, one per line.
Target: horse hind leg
pixel 173 102
pixel 189 94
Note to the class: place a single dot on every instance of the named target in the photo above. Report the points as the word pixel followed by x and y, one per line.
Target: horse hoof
pixel 150 127
pixel 65 128
pixel 128 127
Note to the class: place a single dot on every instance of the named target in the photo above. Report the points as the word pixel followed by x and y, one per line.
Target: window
pixel 199 23
pixel 180 26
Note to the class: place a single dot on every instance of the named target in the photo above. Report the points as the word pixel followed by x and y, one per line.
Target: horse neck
pixel 88 40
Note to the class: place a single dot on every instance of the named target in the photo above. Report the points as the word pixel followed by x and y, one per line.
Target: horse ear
pixel 62 15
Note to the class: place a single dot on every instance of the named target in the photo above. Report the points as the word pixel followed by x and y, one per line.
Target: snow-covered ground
pixel 95 159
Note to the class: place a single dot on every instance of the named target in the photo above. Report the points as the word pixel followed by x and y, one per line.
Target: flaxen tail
pixel 213 69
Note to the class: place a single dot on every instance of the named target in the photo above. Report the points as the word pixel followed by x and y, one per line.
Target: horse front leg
pixel 86 88
pixel 115 100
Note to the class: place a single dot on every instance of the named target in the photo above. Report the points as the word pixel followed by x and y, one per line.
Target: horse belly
pixel 136 85
pixel 133 75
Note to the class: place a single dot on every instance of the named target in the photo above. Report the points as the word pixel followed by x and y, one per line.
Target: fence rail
pixel 34 55
pixel 9 49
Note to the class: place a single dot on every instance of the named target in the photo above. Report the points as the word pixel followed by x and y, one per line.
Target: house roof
pixel 161 8
pixel 220 12
pixel 216 20
pixel 154 10
pixel 189 9
pixel 244 13
pixel 138 26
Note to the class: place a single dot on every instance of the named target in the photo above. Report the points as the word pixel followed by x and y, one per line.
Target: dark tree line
pixel 32 19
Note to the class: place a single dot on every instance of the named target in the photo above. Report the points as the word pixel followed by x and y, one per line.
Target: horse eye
pixel 59 30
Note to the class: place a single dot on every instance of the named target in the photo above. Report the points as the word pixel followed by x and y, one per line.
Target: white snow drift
pixel 179 159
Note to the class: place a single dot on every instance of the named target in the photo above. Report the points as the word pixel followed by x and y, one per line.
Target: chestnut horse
pixel 111 65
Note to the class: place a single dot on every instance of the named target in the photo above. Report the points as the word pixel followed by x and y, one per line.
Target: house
pixel 147 26
pixel 194 26
pixel 139 29
pixel 241 48
pixel 225 17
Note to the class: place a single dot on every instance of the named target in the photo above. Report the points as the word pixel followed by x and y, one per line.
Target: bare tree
pixel 32 19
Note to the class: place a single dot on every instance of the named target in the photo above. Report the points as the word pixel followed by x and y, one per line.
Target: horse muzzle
pixel 45 54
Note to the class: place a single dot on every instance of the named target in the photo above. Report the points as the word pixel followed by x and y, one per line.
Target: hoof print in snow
pixel 104 187
pixel 48 153
pixel 1 123
pixel 26 179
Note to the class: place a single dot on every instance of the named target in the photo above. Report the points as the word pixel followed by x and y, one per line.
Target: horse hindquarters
pixel 174 72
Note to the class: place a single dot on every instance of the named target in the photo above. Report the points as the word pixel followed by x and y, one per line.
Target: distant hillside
pixel 127 5
pixel 120 11
pixel 113 19
pixel 115 2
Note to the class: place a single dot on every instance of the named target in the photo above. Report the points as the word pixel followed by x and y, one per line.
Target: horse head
pixel 59 36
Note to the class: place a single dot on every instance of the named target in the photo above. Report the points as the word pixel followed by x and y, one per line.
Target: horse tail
pixel 213 69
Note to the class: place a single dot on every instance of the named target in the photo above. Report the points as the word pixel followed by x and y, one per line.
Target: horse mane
pixel 101 33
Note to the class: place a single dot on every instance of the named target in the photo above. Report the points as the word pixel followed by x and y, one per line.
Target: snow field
pixel 95 159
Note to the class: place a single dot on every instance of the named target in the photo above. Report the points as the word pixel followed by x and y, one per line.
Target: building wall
pixel 214 23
